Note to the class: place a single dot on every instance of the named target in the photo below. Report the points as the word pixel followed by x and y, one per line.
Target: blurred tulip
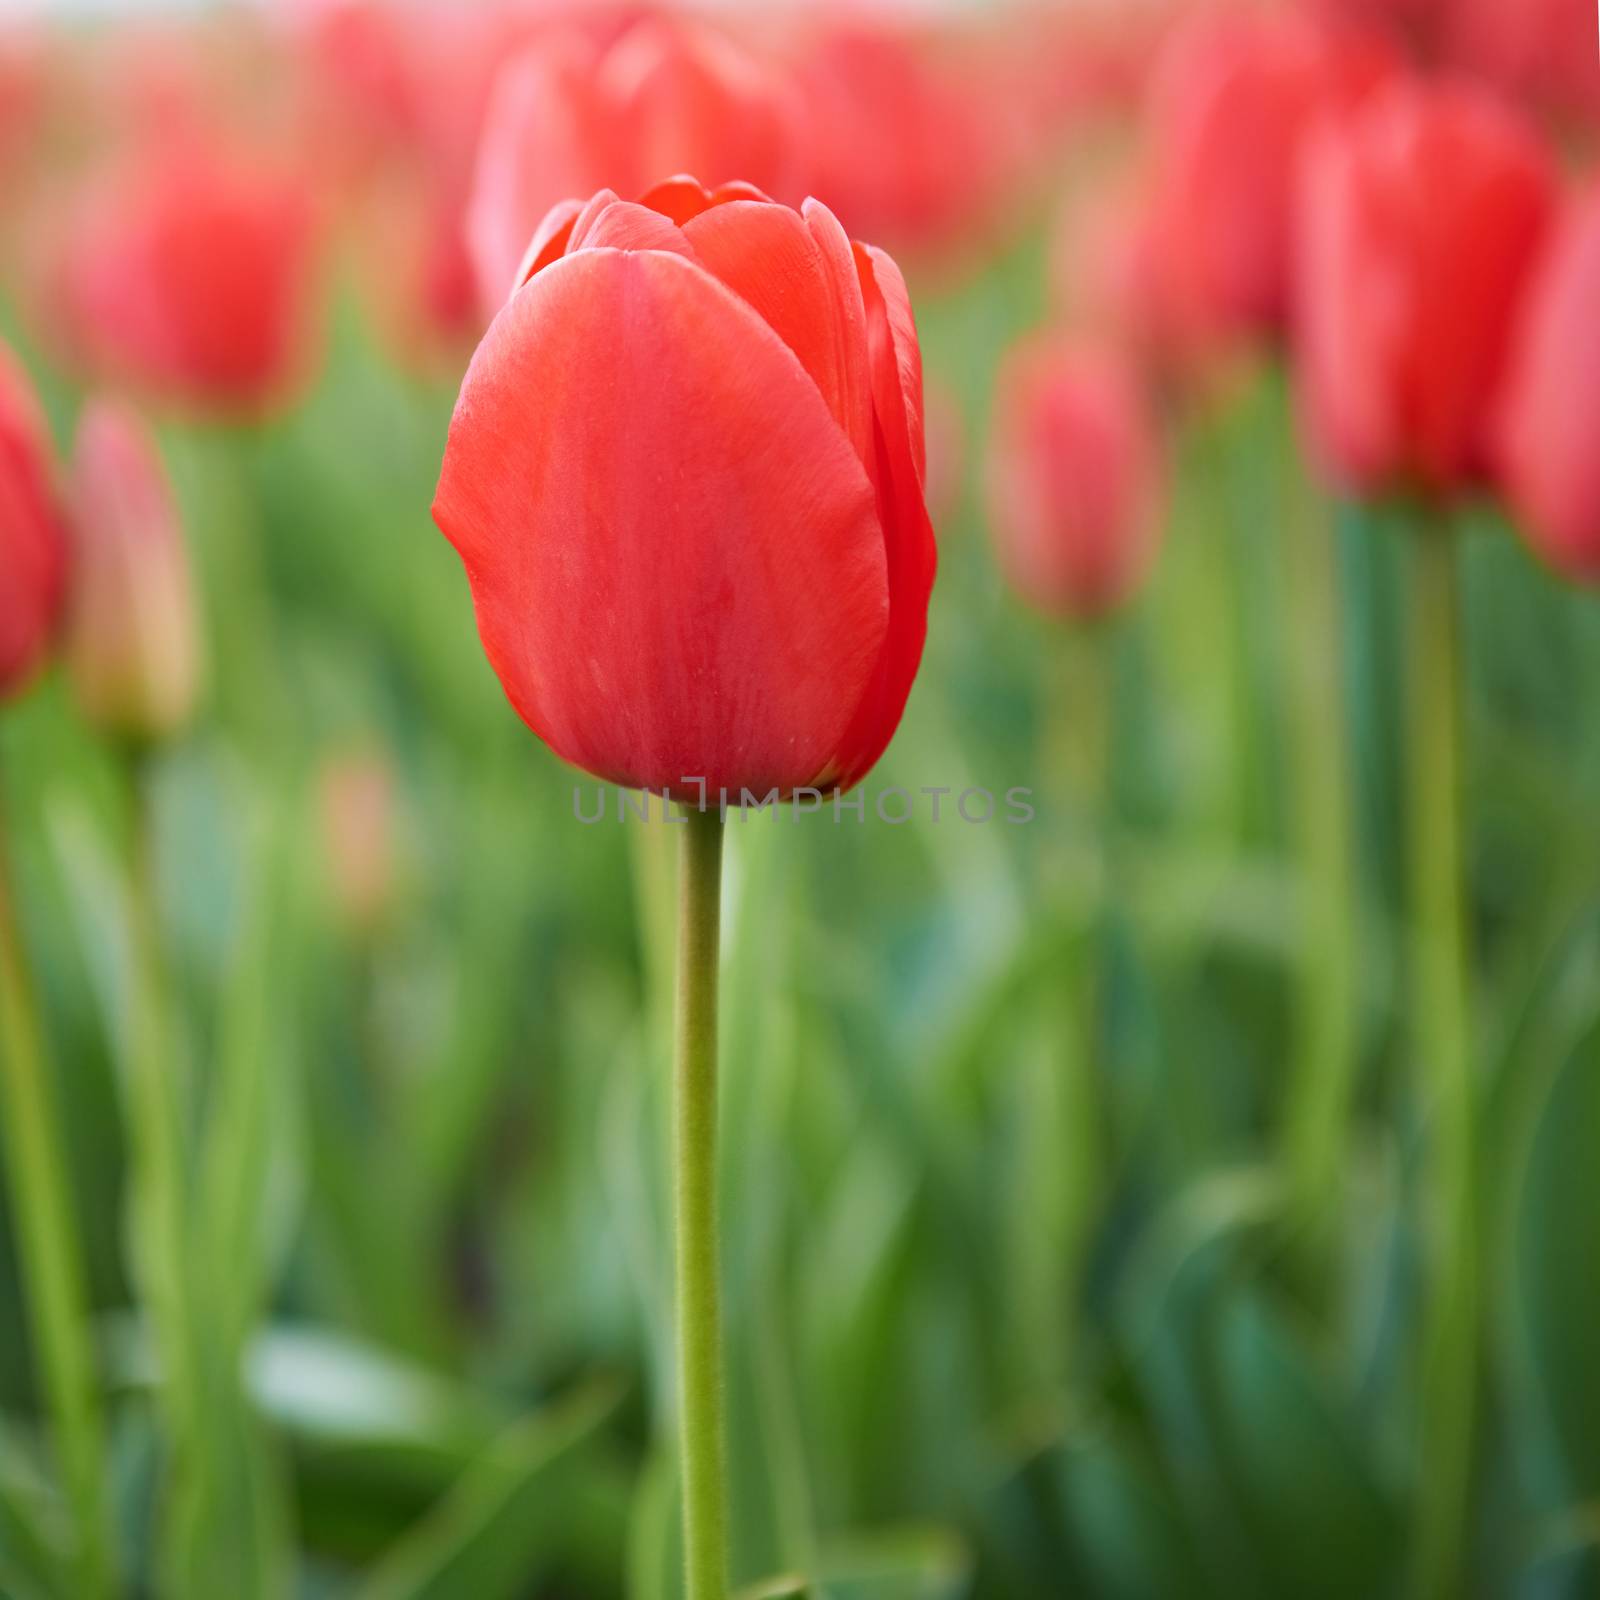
pixel 1114 275
pixel 1550 465
pixel 33 546
pixel 188 275
pixel 685 475
pixel 1074 477
pixel 569 117
pixel 132 644
pixel 1423 213
pixel 355 794
pixel 911 145
pixel 1233 99
pixel 1544 50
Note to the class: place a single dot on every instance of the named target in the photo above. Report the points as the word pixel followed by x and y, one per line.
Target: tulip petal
pixel 674 553
pixel 908 533
pixel 850 324
pixel 621 225
pixel 768 257
pixel 549 242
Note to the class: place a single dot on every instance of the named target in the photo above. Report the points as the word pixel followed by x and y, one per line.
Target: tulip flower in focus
pixel 1233 99
pixel 685 475
pixel 1423 213
pixel 1549 463
pixel 188 276
pixel 1074 477
pixel 132 645
pixel 33 547
pixel 572 115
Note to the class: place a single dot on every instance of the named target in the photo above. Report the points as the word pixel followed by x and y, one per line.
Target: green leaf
pixel 491 1533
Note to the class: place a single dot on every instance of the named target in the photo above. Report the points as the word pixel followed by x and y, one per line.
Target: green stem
pixel 51 1260
pixel 700 1375
pixel 1320 1097
pixel 1061 1152
pixel 162 1245
pixel 1439 975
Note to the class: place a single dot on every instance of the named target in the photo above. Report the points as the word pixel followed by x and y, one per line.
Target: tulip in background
pixel 1074 478
pixel 1401 353
pixel 685 476
pixel 1548 458
pixel 1234 97
pixel 574 114
pixel 188 276
pixel 1404 351
pixel 33 545
pixel 132 644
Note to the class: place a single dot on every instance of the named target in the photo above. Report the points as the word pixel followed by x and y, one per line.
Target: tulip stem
pixel 1439 978
pixel 50 1255
pixel 1320 1096
pixel 699 1317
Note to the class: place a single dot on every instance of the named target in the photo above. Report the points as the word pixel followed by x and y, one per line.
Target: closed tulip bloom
pixel 685 476
pixel 32 539
pixel 132 647
pixel 188 276
pixel 572 115
pixel 1550 466
pixel 1074 477
pixel 1234 98
pixel 1423 213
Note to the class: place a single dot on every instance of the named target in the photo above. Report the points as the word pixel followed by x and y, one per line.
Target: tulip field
pixel 800 801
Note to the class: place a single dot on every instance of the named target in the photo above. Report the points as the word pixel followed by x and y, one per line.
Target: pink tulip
pixel 1550 466
pixel 1423 213
pixel 132 644
pixel 188 276
pixel 572 115
pixel 1234 98
pixel 1074 477
pixel 33 549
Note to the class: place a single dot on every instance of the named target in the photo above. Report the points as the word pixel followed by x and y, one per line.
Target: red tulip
pixel 572 115
pixel 1550 466
pixel 685 476
pixel 1074 477
pixel 1544 49
pixel 132 646
pixel 32 538
pixel 1423 213
pixel 910 145
pixel 1114 274
pixel 188 276
pixel 1234 98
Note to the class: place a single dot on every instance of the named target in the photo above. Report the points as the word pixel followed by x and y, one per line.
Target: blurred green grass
pixel 1016 1304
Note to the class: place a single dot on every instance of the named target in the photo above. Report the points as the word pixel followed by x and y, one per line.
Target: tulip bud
pixel 355 795
pixel 187 275
pixel 1074 478
pixel 1549 463
pixel 568 117
pixel 132 647
pixel 32 538
pixel 1423 213
pixel 1234 97
pixel 685 476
